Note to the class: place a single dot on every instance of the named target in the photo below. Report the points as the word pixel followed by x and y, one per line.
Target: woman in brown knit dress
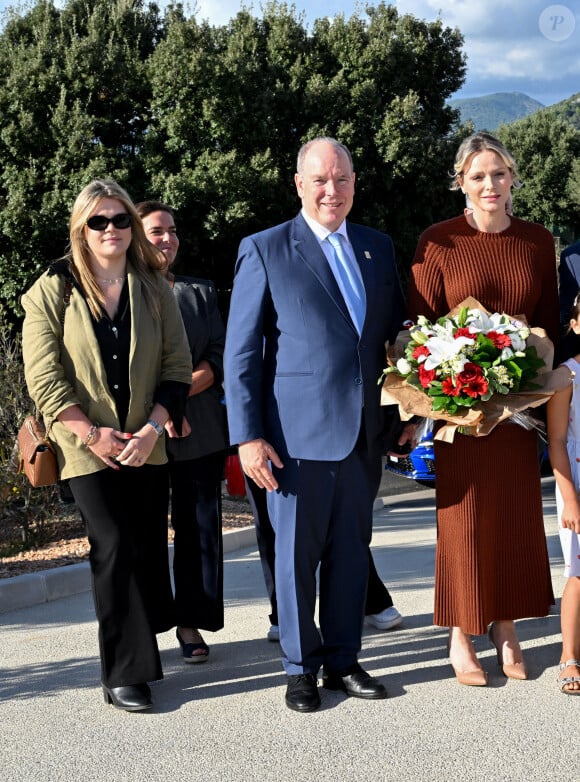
pixel 492 563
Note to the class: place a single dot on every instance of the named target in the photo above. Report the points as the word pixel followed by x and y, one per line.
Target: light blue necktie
pixel 352 286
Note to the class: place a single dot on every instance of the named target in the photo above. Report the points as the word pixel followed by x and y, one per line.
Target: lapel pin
pixel 367 255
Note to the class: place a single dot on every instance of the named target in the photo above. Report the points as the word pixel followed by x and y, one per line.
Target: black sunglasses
pixel 100 222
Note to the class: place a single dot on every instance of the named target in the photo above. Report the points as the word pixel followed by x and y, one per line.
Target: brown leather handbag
pixel 37 457
pixel 36 454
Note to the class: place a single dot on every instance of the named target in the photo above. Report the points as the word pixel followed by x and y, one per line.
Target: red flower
pixel 471 381
pixel 463 332
pixel 477 387
pixel 449 388
pixel 421 350
pixel 500 341
pixel 470 372
pixel 426 376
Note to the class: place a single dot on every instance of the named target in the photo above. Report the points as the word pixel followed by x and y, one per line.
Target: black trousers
pixel 126 516
pixel 196 517
pixel 378 597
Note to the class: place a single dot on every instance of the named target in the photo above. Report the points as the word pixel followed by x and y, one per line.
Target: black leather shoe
pixel 356 682
pixel 133 697
pixel 302 692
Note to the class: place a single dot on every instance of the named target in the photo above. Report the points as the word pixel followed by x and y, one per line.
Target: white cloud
pixel 505 47
pixel 219 13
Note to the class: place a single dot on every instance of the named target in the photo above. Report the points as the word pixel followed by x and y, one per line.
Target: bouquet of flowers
pixel 471 368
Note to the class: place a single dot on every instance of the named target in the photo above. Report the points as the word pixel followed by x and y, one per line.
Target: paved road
pixel 226 720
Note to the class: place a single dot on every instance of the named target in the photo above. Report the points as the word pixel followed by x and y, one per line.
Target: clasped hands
pixel 131 450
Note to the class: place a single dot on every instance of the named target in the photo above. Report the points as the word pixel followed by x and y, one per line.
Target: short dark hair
pixel 145 208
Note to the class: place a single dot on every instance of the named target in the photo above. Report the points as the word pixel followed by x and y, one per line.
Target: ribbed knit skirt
pixel 492 558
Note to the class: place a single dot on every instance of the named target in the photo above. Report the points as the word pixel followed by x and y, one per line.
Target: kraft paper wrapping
pixel 483 417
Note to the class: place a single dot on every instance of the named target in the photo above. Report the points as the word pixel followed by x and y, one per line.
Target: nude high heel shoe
pixel 474 678
pixel 510 670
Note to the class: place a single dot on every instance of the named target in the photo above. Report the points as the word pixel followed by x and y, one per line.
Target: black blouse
pixel 114 338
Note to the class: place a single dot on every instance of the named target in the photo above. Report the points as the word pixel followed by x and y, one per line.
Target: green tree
pixel 210 119
pixel 233 104
pixel 74 102
pixel 546 148
pixel 574 190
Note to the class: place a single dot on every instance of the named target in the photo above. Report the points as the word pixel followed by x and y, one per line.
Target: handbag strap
pixel 65 301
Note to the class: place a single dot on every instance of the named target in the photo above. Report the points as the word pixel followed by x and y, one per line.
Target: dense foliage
pixel 547 148
pixel 210 119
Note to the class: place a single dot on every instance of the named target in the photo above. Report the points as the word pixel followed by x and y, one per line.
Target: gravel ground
pixel 68 544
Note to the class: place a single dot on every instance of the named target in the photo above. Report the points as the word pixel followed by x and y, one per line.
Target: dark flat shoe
pixel 302 692
pixel 133 697
pixel 355 682
pixel 188 651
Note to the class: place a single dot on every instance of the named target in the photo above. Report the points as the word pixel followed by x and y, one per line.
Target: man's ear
pixel 299 182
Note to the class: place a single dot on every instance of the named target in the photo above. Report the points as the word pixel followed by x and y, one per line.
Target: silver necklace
pixel 112 280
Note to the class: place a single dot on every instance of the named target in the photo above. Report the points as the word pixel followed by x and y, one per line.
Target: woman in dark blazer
pixel 196 460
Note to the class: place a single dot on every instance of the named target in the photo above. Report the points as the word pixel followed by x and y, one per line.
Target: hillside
pixel 489 111
pixel 568 109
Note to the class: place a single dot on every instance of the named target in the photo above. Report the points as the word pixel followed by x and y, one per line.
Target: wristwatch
pixel 154 425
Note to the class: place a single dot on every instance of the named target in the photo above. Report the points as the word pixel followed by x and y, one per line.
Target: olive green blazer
pixel 65 369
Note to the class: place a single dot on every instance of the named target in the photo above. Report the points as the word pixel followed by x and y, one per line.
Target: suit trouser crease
pixel 378 596
pixel 322 514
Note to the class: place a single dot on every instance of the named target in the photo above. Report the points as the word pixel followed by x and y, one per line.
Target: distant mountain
pixel 490 111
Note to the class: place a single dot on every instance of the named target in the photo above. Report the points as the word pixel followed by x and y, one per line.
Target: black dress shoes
pixel 133 697
pixel 356 682
pixel 302 692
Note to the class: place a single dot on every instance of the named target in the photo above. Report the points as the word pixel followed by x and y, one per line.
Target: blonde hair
pixel 472 145
pixel 144 257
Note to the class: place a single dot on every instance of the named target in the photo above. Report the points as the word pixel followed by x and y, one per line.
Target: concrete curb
pixel 41 587
pixel 46 585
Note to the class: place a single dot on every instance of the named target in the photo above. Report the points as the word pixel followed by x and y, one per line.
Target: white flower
pixel 403 367
pixel 479 321
pixel 518 343
pixel 444 349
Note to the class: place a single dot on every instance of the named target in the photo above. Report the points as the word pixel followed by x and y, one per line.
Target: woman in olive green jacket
pixel 108 371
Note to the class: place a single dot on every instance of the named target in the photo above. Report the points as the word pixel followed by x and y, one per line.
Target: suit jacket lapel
pixel 308 249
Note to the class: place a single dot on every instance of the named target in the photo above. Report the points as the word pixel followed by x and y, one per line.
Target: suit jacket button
pixel 358 381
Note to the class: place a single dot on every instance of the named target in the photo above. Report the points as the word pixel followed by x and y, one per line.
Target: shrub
pixel 24 511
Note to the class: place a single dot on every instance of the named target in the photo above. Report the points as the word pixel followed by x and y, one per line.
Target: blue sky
pixel 529 46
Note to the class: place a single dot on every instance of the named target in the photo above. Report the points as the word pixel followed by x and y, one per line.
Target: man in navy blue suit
pixel 314 301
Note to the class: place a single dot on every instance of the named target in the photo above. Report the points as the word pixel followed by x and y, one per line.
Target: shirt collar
pixel 320 231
